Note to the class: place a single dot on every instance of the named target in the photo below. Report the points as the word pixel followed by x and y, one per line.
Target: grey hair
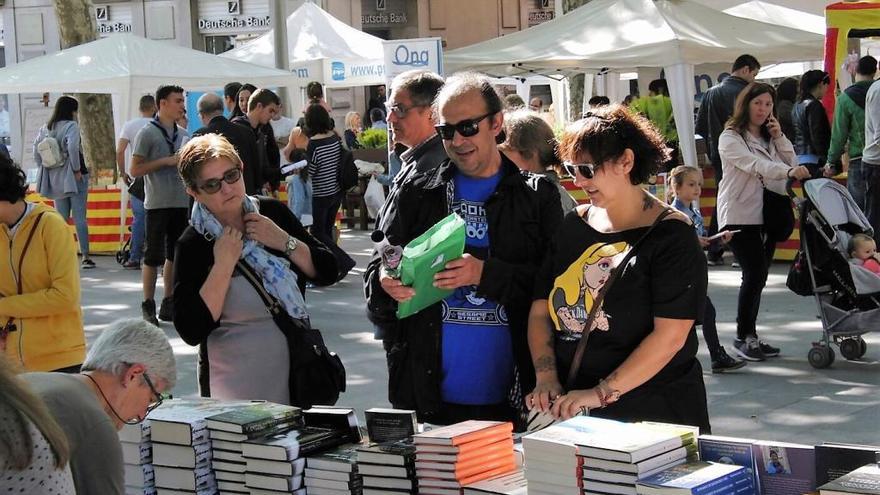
pixel 209 104
pixel 421 85
pixel 130 341
pixel 462 83
pixel 529 134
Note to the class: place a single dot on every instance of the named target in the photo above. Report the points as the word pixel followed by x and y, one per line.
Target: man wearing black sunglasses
pixel 460 358
pixel 124 376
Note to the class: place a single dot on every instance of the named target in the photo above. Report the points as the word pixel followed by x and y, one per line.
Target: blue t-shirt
pixel 477 348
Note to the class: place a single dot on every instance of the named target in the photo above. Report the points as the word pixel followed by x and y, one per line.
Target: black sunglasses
pixel 467 128
pixel 158 398
pixel 231 176
pixel 587 170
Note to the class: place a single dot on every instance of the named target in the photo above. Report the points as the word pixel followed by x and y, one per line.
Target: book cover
pixel 834 460
pixel 338 418
pixel 730 450
pixel 256 417
pixel 696 477
pixel 507 484
pixel 862 481
pixel 182 421
pixel 560 440
pixel 228 436
pixel 625 442
pixel 398 453
pixel 292 444
pixel 342 459
pixel 785 468
pixel 386 425
pixel 464 432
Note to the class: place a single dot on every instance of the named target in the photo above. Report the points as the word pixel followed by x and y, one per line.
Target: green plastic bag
pixel 426 255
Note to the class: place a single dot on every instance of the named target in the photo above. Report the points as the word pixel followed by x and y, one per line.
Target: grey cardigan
pixel 59 182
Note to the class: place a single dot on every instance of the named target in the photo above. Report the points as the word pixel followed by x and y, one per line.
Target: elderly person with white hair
pixel 125 373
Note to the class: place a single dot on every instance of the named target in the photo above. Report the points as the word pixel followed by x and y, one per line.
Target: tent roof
pixel 312 34
pixel 777 14
pixel 126 63
pixel 623 34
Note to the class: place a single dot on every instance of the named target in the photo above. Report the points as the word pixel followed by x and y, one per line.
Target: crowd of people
pixel 555 307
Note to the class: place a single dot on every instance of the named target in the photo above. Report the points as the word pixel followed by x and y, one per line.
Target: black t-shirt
pixel 665 278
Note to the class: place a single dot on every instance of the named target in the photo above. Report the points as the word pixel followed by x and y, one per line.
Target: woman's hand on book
pixel 574 403
pixel 545 393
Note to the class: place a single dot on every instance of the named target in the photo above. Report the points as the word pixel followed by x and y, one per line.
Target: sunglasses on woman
pixel 467 128
pixel 587 170
pixel 231 176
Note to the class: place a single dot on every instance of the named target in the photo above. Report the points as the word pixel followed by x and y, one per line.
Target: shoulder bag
pixel 538 420
pixel 777 211
pixel 317 376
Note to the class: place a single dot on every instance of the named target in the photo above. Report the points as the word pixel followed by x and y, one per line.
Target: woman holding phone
pixel 755 154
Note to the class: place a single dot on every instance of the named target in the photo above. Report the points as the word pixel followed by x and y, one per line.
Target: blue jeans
pixel 138 228
pixel 299 198
pixel 77 203
pixel 855 182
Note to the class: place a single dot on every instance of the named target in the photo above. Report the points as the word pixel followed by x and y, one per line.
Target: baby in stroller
pixel 863 251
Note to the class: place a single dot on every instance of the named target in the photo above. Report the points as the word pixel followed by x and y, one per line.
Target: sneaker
pixel 132 265
pixel 768 349
pixel 749 349
pixel 715 261
pixel 87 264
pixel 166 309
pixel 148 310
pixel 725 363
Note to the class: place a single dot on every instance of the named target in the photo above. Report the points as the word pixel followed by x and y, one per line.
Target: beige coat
pixel 740 195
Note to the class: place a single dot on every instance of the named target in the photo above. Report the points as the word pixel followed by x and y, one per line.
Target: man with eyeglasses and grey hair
pixel 125 374
pixel 464 357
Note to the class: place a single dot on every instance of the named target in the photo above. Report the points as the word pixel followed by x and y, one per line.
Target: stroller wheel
pixel 863 346
pixel 820 357
pixel 852 348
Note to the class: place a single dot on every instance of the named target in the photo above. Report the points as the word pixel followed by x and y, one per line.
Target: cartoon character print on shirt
pixel 574 291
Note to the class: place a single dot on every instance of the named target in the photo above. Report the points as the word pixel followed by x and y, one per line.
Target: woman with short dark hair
pixel 640 361
pixel 811 127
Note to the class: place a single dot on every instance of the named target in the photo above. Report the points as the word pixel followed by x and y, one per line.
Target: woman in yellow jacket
pixel 40 316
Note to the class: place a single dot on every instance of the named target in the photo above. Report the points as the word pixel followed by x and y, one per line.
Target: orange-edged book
pixel 469 447
pixel 476 453
pixel 458 483
pixel 458 466
pixel 463 472
pixel 464 432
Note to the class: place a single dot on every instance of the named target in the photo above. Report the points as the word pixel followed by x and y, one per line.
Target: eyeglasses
pixel 466 128
pixel 158 398
pixel 231 176
pixel 587 170
pixel 399 110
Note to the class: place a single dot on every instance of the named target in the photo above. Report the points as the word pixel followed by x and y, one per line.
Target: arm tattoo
pixel 545 363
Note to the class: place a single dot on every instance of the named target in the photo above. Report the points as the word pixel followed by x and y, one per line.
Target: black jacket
pixel 811 128
pixel 715 109
pixel 193 321
pixel 267 150
pixel 245 144
pixel 522 213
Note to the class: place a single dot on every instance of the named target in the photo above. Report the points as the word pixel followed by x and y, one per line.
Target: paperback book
pixel 785 468
pixel 696 478
pixel 862 481
pixel 834 460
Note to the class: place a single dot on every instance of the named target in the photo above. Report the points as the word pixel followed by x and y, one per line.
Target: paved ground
pixel 781 399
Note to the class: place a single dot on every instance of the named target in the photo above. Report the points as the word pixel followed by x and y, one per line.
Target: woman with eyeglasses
pixel 640 361
pixel 243 354
pixel 811 127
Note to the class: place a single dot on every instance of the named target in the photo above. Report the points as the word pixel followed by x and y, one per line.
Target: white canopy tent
pixel 321 48
pixel 628 34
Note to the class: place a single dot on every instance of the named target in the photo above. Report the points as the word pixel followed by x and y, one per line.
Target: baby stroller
pixel 846 293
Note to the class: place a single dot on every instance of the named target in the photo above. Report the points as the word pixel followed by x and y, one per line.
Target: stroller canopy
pixel 835 204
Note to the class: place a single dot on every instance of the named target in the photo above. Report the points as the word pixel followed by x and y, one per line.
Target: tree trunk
pixel 575 83
pixel 77 25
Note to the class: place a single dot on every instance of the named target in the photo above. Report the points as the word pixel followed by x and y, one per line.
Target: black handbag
pixel 778 215
pixel 317 376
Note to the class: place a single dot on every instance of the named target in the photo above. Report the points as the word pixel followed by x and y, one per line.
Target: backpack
pixel 348 172
pixel 50 152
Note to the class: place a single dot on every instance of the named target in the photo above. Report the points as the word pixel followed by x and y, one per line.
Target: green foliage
pixel 374 138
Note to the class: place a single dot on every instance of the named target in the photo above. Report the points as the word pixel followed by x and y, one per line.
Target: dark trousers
pixel 710 330
pixel 754 254
pixel 324 209
pixel 871 174
pixel 855 182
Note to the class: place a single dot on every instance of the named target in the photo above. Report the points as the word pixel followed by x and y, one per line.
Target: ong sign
pixel 418 53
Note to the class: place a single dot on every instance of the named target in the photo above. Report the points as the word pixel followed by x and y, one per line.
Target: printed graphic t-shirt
pixel 665 278
pixel 477 348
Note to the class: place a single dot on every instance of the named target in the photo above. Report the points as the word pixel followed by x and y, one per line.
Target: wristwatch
pixel 291 245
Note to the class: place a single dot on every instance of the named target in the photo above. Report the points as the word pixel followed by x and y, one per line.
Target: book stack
pixel 137 453
pixel 697 478
pixel 388 467
pixel 333 472
pixel 275 464
pixel 343 419
pixel 551 461
pixel 616 456
pixel 450 457
pixel 507 484
pixel 229 429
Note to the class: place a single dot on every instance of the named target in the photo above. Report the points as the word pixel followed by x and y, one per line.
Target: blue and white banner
pixel 343 73
pixel 416 53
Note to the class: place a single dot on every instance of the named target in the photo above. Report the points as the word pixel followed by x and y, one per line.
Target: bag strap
pixel 27 243
pixel 600 298
pixel 272 304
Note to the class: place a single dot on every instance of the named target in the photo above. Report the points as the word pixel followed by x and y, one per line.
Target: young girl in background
pixel 685 183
